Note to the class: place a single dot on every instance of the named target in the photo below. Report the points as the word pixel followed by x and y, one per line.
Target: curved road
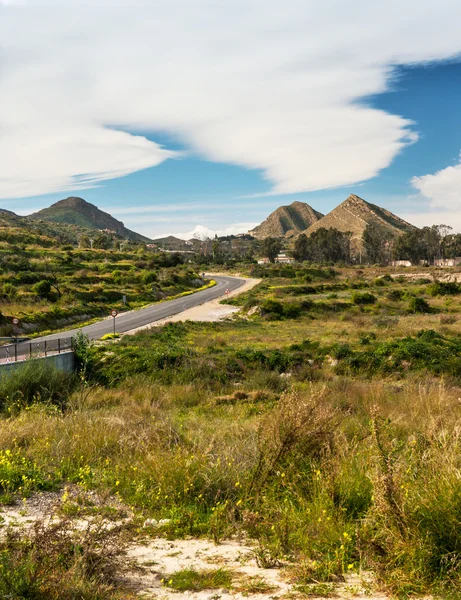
pixel 129 320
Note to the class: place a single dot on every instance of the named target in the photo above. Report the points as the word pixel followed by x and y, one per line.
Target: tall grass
pixel 334 476
pixel 34 381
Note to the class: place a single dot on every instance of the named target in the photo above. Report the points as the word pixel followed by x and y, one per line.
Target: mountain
pixel 76 211
pixel 354 214
pixel 287 221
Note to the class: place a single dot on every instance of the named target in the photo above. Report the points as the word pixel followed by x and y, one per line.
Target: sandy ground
pixel 151 560
pixel 160 558
pixel 433 275
pixel 209 311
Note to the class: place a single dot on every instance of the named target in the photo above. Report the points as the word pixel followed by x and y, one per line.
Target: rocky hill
pixel 287 221
pixel 76 211
pixel 354 214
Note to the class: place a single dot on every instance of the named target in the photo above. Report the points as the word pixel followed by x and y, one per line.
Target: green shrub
pixel 291 310
pixel 149 277
pixel 418 305
pixel 363 298
pixel 395 295
pixel 272 307
pixel 42 289
pixel 9 291
pixel 445 288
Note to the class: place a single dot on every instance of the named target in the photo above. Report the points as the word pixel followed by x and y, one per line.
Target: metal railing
pixel 20 351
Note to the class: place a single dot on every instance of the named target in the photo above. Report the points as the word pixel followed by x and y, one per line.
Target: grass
pixel 331 438
pixel 254 585
pixel 191 580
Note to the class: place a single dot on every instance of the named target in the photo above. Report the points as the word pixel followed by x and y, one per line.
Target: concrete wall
pixel 64 362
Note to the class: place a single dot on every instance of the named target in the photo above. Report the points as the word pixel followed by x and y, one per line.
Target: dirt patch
pixel 159 559
pixel 150 562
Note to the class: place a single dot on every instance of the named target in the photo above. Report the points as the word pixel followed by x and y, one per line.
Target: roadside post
pixel 227 291
pixel 114 313
pixel 15 322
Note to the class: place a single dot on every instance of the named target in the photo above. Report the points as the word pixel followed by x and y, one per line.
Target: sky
pixel 180 117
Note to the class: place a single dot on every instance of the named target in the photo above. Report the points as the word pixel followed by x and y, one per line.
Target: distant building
pixel 281 258
pixel 448 262
pixel 284 258
pixel 401 263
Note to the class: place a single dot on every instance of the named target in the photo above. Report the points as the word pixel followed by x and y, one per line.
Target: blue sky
pixel 239 116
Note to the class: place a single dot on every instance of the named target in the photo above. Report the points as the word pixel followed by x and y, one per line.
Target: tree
pixel 451 245
pixel 270 248
pixel 102 241
pixel 330 245
pixel 301 250
pixel 216 248
pixel 43 289
pixel 377 243
pixel 410 246
pixel 84 241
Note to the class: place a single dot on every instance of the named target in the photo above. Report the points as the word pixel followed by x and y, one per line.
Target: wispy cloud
pixel 248 82
pixel 155 209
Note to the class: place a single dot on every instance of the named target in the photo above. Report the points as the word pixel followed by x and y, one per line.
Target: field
pixel 320 424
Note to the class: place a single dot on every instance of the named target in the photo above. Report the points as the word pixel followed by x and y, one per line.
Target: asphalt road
pixel 129 320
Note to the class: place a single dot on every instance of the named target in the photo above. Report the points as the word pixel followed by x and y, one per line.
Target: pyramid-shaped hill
pixel 354 214
pixel 286 221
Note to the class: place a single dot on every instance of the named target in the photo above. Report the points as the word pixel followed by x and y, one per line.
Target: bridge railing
pixel 21 351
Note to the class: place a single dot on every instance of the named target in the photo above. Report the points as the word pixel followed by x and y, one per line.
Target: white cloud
pixel 202 232
pixel 442 189
pixel 434 217
pixel 259 83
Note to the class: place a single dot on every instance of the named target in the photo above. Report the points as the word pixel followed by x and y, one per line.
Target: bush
pixel 42 289
pixel 363 298
pixel 272 307
pixel 395 295
pixel 292 310
pixel 447 288
pixel 149 277
pixel 34 382
pixel 418 305
pixel 9 291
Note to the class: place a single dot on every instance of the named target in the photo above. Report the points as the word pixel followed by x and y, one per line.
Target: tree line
pixel 379 246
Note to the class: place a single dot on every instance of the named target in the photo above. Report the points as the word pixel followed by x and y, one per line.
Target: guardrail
pixel 21 351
